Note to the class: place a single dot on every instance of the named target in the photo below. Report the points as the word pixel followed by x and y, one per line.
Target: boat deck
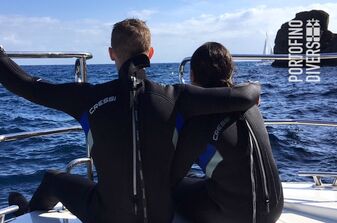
pixel 308 204
pixel 303 203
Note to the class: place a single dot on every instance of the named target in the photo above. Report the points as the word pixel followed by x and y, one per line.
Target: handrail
pixel 80 64
pixel 323 56
pixel 87 160
pixel 317 176
pixel 25 135
pixel 7 210
pixel 268 122
pixel 300 122
pixel 44 54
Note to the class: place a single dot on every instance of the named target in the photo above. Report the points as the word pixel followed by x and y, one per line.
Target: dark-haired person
pixel 130 126
pixel 221 146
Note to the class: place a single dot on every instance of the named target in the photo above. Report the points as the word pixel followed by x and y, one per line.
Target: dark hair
pixel 130 37
pixel 212 65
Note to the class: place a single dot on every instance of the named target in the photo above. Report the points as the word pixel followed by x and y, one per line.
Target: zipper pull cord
pixel 252 177
pixel 261 167
pixel 134 153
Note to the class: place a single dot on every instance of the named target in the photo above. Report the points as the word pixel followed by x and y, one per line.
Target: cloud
pixel 260 19
pixel 242 31
pixel 22 33
pixel 144 14
pixel 11 38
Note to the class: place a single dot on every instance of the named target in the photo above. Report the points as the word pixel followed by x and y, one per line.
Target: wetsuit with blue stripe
pixel 220 145
pixel 104 112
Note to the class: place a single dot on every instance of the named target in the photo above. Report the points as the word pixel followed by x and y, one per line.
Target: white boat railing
pixel 270 122
pixel 77 128
pixel 257 57
pixel 7 210
pixel 43 54
pixel 80 64
pixel 25 135
pixel 317 177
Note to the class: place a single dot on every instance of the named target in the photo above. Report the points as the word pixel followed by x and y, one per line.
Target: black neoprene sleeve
pixel 65 97
pixel 195 101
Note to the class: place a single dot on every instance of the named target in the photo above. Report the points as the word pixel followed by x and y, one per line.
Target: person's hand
pixel 2 50
pixel 258 83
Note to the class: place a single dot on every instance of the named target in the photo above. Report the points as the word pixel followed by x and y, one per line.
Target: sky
pixel 178 27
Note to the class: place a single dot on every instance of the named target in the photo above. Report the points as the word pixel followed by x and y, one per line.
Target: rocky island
pixel 314 27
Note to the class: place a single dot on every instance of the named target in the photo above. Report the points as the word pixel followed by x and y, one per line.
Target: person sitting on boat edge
pixel 220 145
pixel 131 135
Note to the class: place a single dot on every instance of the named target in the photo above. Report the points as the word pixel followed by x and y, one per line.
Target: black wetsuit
pixel 105 115
pixel 220 145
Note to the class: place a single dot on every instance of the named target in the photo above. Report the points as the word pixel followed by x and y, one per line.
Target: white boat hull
pixel 303 203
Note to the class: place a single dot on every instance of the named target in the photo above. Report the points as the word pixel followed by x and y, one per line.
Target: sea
pixel 295 147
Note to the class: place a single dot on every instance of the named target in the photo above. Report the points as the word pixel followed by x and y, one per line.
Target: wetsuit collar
pixel 134 67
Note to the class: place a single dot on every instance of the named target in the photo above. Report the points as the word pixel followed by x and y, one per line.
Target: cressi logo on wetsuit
pixel 219 128
pixel 102 102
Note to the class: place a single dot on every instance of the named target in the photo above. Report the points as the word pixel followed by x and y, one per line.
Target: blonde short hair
pixel 130 37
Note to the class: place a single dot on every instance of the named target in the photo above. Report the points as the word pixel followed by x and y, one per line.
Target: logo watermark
pixel 304 51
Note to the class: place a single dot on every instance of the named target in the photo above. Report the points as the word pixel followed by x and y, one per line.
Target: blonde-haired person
pixel 131 126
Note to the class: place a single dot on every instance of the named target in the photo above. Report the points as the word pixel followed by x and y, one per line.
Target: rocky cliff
pixel 328 40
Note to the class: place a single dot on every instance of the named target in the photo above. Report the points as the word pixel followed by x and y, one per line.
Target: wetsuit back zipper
pixel 261 168
pixel 137 160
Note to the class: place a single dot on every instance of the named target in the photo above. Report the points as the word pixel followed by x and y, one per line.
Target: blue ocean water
pixel 296 148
